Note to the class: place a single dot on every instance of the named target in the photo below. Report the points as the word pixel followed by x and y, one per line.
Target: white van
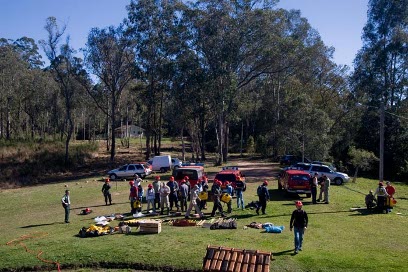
pixel 161 163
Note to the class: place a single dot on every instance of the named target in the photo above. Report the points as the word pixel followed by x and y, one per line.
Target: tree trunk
pixel 113 116
pixel 355 175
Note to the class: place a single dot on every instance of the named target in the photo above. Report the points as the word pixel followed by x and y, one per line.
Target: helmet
pixel 381 184
pixel 157 177
pixel 298 203
pixel 172 178
pixel 186 178
pixel 218 182
pixel 150 186
pixel 131 182
pixel 107 180
pixel 265 183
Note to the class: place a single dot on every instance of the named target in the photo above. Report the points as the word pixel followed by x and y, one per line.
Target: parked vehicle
pixel 291 159
pixel 161 163
pixel 195 174
pixel 130 171
pixel 231 174
pixel 176 163
pixel 337 178
pixel 295 181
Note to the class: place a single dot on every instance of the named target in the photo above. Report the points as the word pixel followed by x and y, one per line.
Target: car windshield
pixel 191 173
pixel 300 177
pixel 225 177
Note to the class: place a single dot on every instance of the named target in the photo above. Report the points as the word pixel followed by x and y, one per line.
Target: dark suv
pixel 291 159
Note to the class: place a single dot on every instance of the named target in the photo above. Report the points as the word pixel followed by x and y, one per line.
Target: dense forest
pixel 231 75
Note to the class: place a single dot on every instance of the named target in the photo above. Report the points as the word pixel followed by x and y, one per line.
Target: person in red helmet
pixel 133 196
pixel 106 192
pixel 216 190
pixel 298 222
pixel 263 195
pixel 173 197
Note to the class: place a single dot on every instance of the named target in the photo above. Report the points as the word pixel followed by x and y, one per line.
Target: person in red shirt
pixel 390 191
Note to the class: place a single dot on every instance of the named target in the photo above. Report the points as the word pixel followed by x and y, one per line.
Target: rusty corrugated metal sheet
pixel 236 260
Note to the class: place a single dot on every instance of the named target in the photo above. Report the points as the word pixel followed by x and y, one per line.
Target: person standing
pixel 150 198
pixel 164 198
pixel 156 187
pixel 263 196
pixel 106 192
pixel 173 197
pixel 183 193
pixel 66 203
pixel 326 181
pixel 229 190
pixel 240 188
pixel 390 191
pixel 298 222
pixel 205 187
pixel 216 190
pixel 133 196
pixel 321 183
pixel 313 187
pixel 193 202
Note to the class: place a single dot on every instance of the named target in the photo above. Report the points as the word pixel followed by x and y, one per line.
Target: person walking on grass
pixel 193 202
pixel 263 196
pixel 298 222
pixel 216 190
pixel 150 198
pixel 66 203
pixel 106 192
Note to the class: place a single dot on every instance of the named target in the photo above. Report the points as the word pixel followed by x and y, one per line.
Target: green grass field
pixel 337 239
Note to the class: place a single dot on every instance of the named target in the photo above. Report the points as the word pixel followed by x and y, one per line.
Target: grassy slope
pixel 336 240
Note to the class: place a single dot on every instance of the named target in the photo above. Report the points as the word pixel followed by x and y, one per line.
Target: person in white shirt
pixel 66 203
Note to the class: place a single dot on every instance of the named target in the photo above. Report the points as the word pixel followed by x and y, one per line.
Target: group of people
pixel 385 196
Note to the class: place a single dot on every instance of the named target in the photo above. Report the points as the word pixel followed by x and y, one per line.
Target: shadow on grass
pixel 41 225
pixel 284 252
pixel 102 205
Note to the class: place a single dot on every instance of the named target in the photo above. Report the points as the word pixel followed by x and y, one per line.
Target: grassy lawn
pixel 337 239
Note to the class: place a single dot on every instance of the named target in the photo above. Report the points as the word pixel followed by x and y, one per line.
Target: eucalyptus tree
pixel 380 78
pixel 65 68
pixel 153 26
pixel 109 55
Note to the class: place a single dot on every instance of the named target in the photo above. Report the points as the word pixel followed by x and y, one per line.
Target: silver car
pixel 130 171
pixel 337 178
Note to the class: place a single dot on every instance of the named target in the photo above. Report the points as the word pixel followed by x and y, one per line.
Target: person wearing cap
pixel 183 193
pixel 298 222
pixel 164 197
pixel 263 195
pixel 140 192
pixel 156 187
pixel 370 200
pixel 216 190
pixel 150 198
pixel 381 194
pixel 66 203
pixel 326 188
pixel 106 192
pixel 133 196
pixel 173 197
pixel 193 202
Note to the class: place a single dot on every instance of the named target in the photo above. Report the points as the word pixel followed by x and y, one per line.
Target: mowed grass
pixel 337 239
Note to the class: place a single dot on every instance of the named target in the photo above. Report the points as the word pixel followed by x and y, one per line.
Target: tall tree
pixel 109 55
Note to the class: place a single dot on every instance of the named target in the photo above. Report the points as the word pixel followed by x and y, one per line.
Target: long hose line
pixel 19 241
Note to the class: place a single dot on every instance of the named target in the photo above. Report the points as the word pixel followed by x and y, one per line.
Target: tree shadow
pixel 102 205
pixel 41 225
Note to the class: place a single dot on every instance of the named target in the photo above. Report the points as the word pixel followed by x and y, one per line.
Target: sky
pixel 339 23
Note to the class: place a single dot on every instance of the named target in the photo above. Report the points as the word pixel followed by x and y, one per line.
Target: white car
pixel 337 178
pixel 134 170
